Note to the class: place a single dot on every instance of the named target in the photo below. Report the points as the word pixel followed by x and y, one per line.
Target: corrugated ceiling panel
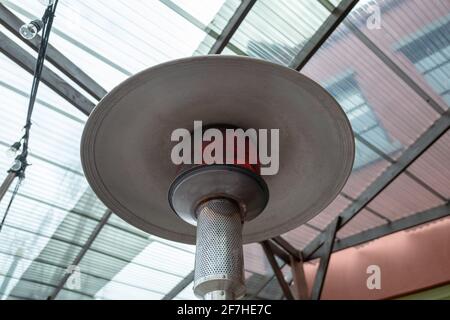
pixel 433 167
pixel 187 293
pixel 119 243
pixel 56 211
pixel 276 30
pixel 301 236
pixel 165 258
pixel 254 259
pixel 119 291
pixel 404 197
pixel 380 106
pixel 360 179
pixel 215 27
pixel 415 35
pixel 204 11
pixel 364 220
pixel 134 260
pixel 31 290
pixel 112 40
pixel 329 213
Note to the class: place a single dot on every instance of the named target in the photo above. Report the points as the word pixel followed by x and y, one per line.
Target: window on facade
pixel 430 54
pixel 363 119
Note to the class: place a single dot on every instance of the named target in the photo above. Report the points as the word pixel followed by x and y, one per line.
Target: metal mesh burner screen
pixel 219 257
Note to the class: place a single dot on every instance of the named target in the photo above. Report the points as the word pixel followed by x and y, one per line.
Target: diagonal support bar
pixel 299 279
pixel 279 252
pixel 407 158
pixel 389 228
pixel 12 23
pixel 288 247
pixel 6 184
pixel 325 259
pixel 180 286
pixel 277 271
pixel 51 79
pixel 337 15
pixel 231 27
pixel 82 252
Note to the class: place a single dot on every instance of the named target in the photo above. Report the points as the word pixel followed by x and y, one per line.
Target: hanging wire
pixel 20 164
pixel 47 19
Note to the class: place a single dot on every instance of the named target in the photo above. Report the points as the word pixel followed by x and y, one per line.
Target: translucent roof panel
pixel 126 260
pixel 255 260
pixel 55 211
pixel 433 166
pixel 54 189
pixel 415 35
pixel 277 30
pixel 365 87
pixel 187 293
pixel 363 221
pixel 334 208
pixel 111 40
pixel 203 11
pixel 301 236
pixel 404 197
pixel 386 115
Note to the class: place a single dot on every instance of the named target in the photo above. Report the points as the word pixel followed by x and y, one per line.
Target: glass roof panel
pixel 363 221
pixel 301 236
pixel 187 293
pixel 404 197
pixel 387 123
pixel 29 290
pixel 118 291
pixel 203 11
pixel 277 30
pixel 433 166
pixel 55 210
pixel 101 36
pixel 414 34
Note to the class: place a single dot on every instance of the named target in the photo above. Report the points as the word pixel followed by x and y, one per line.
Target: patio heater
pixel 126 155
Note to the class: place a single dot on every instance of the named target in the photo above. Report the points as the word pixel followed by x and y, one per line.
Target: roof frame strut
pixel 82 252
pixel 12 23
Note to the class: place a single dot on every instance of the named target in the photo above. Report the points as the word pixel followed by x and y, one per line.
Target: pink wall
pixel 409 260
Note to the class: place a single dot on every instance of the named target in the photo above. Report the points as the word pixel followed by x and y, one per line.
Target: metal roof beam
pixel 231 27
pixel 12 23
pixel 82 252
pixel 337 15
pixel 389 228
pixel 407 158
pixel 277 270
pixel 180 286
pixel 319 279
pixel 25 60
pixel 386 60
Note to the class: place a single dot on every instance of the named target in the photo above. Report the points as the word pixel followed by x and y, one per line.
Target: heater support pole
pixel 219 258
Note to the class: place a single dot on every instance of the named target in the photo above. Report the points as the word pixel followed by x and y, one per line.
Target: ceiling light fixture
pixel 30 30
pixel 17 169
